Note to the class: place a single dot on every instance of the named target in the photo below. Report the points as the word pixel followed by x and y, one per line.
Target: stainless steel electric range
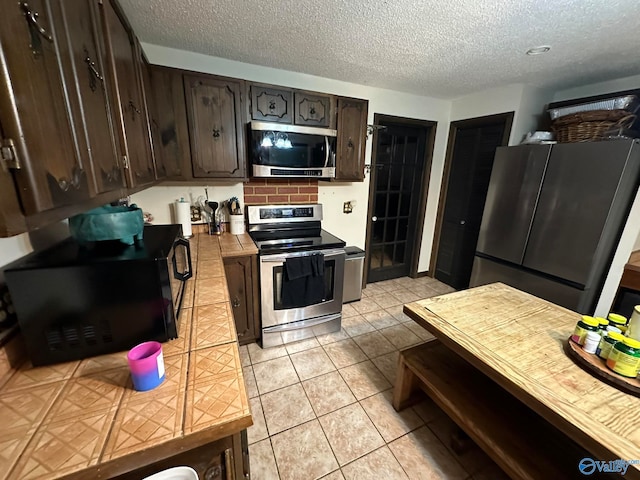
pixel 301 272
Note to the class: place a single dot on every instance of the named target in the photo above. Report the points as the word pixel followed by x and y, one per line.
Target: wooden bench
pixel 521 442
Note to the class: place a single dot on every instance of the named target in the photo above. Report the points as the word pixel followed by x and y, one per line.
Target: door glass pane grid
pixel 401 163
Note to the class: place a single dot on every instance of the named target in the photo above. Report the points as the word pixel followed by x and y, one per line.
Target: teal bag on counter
pixel 108 223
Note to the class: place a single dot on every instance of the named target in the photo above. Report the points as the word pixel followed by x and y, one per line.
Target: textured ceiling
pixel 430 47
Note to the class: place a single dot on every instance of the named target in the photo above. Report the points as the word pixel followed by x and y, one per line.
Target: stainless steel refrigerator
pixel 553 218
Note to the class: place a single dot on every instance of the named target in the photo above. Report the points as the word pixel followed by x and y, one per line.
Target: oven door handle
pixel 312 322
pixel 283 257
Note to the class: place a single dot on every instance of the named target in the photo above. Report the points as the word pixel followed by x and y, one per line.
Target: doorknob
pixel 462 222
pixel 374 219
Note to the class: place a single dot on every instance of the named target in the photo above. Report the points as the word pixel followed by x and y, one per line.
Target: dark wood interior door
pixel 466 192
pixel 397 184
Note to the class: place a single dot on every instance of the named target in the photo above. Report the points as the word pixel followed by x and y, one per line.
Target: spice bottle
pixel 591 341
pixel 624 357
pixel 607 343
pixel 586 324
pixel 604 323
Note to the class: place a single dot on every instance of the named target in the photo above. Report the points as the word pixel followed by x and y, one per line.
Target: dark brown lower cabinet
pixel 224 459
pixel 242 281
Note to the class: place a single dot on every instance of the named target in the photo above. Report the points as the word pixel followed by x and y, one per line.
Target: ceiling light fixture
pixel 538 50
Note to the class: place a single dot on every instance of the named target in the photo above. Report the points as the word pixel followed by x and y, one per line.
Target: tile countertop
pixel 84 420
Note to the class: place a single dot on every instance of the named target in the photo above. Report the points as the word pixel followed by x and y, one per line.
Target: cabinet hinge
pixel 9 155
pixel 125 161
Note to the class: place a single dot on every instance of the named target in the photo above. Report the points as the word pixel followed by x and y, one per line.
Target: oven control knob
pixel 374 219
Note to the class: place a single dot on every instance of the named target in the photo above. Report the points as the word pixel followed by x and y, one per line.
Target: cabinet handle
pixel 93 72
pixel 350 143
pixel 216 133
pixel 133 107
pixel 272 105
pixel 32 19
pixel 312 110
pixel 235 303
pixel 76 178
pixel 230 473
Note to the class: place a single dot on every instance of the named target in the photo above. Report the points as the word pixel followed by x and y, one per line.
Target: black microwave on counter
pixel 75 301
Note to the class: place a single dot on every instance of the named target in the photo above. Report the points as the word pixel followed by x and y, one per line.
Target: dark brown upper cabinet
pixel 352 139
pixel 314 110
pixel 83 51
pixel 166 99
pixel 269 104
pixel 214 110
pixel 128 99
pixel 152 116
pixel 39 144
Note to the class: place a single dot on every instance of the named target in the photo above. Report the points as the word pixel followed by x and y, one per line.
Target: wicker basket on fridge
pixel 590 126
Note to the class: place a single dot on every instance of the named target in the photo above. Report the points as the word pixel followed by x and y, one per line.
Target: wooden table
pixel 499 369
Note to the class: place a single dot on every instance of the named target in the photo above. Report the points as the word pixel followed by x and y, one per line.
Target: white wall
pixel 617 85
pixel 158 201
pixel 351 227
pixel 527 102
pixel 13 248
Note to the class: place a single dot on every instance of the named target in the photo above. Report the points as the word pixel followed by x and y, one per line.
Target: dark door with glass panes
pixel 397 183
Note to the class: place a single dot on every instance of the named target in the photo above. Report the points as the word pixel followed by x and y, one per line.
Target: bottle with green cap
pixel 607 343
pixel 624 357
pixel 604 323
pixel 586 324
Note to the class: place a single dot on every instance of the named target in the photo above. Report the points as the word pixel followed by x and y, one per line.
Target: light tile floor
pixel 322 407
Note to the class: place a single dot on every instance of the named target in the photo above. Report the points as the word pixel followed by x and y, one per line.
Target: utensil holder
pixel 237 224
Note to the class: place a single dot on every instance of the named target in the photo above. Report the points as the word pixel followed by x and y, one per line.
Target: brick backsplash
pixel 266 191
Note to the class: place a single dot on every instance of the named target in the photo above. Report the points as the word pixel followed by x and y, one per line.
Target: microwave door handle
pixel 188 273
pixel 327 151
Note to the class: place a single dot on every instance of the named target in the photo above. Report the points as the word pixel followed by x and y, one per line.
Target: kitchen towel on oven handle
pixel 303 281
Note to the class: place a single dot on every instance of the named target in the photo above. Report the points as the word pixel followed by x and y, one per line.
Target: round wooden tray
pixel 597 367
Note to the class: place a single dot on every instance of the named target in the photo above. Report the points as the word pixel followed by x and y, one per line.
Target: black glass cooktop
pixel 289 241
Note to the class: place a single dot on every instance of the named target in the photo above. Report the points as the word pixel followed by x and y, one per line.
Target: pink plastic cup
pixel 147 365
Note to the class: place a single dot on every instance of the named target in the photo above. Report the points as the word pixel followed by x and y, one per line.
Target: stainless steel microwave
pixel 292 151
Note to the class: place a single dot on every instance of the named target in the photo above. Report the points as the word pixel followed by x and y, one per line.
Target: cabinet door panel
pixel 166 97
pixel 128 102
pixel 153 128
pixel 271 104
pixel 352 139
pixel 215 127
pixel 313 110
pixel 241 295
pixel 90 104
pixel 35 111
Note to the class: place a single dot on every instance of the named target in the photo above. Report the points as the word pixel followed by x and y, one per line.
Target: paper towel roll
pixel 183 216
